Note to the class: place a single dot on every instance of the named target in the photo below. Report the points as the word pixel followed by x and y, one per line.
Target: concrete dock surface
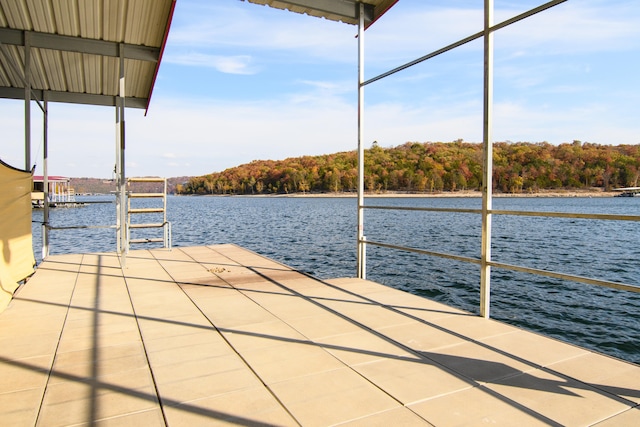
pixel 219 335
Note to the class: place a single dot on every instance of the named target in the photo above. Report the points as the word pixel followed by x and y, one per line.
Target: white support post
pixel 123 245
pixel 27 100
pixel 361 245
pixel 45 180
pixel 487 182
pixel 123 189
pixel 116 171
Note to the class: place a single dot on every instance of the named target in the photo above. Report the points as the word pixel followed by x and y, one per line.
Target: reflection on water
pixel 317 236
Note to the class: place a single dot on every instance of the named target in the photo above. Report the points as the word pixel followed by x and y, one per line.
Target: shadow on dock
pixel 219 334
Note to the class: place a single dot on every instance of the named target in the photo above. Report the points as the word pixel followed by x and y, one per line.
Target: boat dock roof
pixel 220 335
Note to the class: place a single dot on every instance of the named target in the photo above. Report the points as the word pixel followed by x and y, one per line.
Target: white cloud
pixel 588 26
pixel 396 123
pixel 410 30
pixel 323 85
pixel 81 138
pixel 316 113
pixel 593 122
pixel 236 64
pixel 242 27
pixel 217 136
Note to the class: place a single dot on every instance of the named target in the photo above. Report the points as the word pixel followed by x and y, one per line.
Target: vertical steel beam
pixel 123 245
pixel 45 179
pixel 116 171
pixel 123 189
pixel 361 244
pixel 27 100
pixel 487 182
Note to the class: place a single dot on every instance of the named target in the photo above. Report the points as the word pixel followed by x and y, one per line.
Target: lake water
pixel 317 236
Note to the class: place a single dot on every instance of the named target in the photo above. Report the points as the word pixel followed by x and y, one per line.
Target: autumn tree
pixel 433 167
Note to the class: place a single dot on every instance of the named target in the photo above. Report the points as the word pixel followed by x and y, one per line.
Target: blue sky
pixel 242 82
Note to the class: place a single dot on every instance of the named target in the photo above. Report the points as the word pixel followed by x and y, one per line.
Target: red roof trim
pixel 164 43
pixel 381 14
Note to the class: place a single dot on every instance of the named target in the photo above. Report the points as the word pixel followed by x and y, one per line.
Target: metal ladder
pixel 154 212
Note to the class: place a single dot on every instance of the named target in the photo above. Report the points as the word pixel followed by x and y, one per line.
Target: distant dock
pixel 627 191
pixel 60 205
pixel 74 204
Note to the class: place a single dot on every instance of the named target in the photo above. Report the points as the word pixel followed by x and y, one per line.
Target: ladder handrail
pixel 164 224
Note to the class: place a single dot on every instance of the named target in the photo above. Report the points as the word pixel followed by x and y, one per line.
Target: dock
pixel 219 335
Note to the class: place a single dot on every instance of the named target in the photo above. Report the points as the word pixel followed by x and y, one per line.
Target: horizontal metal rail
pixel 46 227
pixel 556 275
pixel 423 251
pixel 78 227
pixel 414 208
pixel 576 215
pixel 505 266
pixel 522 269
pixel 466 40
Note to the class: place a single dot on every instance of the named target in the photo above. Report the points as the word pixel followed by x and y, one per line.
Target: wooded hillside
pixel 434 167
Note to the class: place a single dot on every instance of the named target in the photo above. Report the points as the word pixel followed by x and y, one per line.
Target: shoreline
pixel 444 194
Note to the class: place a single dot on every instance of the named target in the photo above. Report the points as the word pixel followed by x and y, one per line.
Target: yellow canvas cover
pixel 16 247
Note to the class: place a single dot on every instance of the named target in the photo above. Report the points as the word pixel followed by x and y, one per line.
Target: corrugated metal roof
pixel 75 48
pixel 334 10
pixel 75 44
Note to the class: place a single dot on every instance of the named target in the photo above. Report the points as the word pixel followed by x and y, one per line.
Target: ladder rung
pixel 155 239
pixel 150 192
pixel 153 225
pixel 141 195
pixel 146 210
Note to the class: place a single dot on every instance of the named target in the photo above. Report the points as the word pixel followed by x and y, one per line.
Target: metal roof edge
pixel 381 13
pixel 164 44
pixel 345 11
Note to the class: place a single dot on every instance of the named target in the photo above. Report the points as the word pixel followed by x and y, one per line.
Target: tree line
pixel 433 167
